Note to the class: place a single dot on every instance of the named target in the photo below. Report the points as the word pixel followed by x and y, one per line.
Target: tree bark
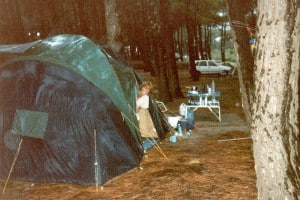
pixel 200 42
pixel 223 41
pixel 99 32
pixel 144 37
pixel 208 41
pixel 191 37
pixel 275 119
pixel 237 11
pixel 162 77
pixel 112 24
pixel 169 49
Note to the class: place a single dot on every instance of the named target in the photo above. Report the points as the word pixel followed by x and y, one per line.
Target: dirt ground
pixel 214 162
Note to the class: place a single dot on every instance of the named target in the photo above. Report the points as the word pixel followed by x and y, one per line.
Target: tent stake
pixel 12 166
pixel 96 163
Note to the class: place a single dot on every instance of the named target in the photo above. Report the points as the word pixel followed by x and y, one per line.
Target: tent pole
pixel 96 163
pixel 156 145
pixel 159 149
pixel 13 164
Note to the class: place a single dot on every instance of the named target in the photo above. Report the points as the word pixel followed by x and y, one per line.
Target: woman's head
pixel 145 88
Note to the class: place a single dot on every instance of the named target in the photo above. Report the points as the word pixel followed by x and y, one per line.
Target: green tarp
pixel 29 123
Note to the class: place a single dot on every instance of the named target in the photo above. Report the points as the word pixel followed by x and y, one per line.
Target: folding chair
pixel 161 106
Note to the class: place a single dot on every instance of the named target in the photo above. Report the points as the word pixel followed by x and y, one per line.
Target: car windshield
pixel 211 63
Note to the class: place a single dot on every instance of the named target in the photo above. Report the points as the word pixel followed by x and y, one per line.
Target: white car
pixel 211 67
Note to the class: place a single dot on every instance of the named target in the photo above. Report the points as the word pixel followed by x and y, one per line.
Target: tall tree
pixel 191 26
pixel 223 41
pixel 237 11
pixel 143 26
pixel 275 118
pixel 169 50
pixel 161 57
pixel 97 20
pixel 113 27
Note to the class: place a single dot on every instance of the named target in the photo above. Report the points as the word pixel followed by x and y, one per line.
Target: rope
pixel 130 121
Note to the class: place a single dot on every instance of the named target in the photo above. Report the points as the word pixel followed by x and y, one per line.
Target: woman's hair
pixel 146 85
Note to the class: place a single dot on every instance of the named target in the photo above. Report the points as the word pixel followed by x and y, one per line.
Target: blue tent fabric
pixel 75 108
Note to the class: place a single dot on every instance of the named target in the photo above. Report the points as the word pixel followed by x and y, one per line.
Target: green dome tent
pixel 67 112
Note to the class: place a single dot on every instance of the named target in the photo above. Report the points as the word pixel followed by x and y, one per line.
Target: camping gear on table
pixel 203 100
pixel 194 88
pixel 76 106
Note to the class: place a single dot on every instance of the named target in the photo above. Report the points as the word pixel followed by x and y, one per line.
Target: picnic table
pixel 198 100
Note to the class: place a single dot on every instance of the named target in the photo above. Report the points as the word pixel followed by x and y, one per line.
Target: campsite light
pixel 29 34
pixel 38 34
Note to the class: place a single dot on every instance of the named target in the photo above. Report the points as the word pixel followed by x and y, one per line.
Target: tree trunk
pixel 208 41
pixel 275 119
pixel 112 24
pixel 169 50
pixel 200 42
pixel 237 11
pixel 193 72
pixel 181 42
pixel 132 24
pixel 144 37
pixel 190 34
pixel 100 32
pixel 223 42
pixel 162 77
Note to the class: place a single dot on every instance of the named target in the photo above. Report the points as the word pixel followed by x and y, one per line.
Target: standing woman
pixel 146 125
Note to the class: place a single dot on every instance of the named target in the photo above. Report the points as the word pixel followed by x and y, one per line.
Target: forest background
pixel 144 30
pixel 155 30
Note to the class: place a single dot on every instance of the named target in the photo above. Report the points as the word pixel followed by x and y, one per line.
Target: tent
pixel 67 112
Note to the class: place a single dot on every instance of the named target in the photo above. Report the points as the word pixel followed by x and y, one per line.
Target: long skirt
pixel 146 124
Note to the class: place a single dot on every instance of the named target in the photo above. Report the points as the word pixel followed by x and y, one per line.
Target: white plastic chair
pixel 161 106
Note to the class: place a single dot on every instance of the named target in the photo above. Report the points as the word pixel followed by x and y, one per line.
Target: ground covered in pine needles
pixel 214 162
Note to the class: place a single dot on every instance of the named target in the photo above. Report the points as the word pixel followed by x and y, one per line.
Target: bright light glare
pixel 221 14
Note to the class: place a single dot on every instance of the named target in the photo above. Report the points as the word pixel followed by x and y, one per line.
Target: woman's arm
pixel 142 102
pixel 138 109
